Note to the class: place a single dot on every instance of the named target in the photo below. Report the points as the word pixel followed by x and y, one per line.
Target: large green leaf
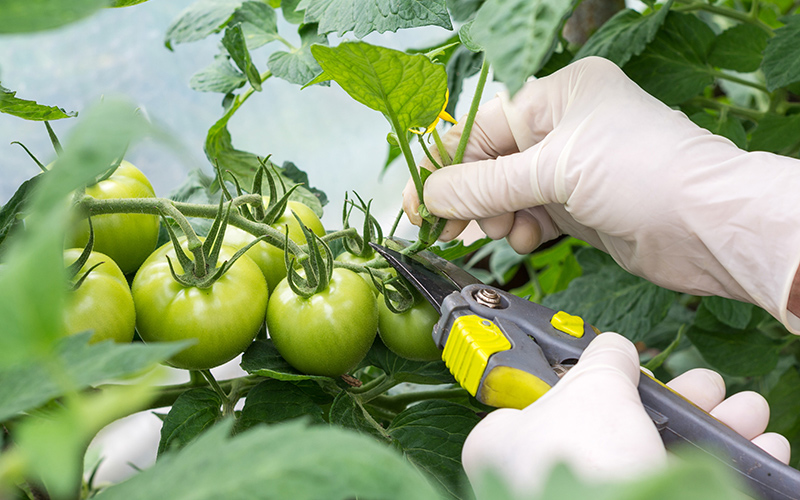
pixel 365 16
pixel 462 10
pixel 11 212
pixel 519 35
pixel 775 133
pixel 462 64
pixel 219 76
pixel 781 65
pixel 673 66
pixel 29 110
pixel 625 35
pixel 261 358
pixel 612 299
pixel 726 126
pixel 739 48
pixel 348 412
pixel 404 370
pixel 273 401
pixel 408 89
pixel 289 460
pixel 730 312
pixel 235 44
pixel 784 407
pixel 199 20
pixel 22 16
pixel 259 23
pixel 192 413
pixel 297 65
pixel 431 434
pixel 80 365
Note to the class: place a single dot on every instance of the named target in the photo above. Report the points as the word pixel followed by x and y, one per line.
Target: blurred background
pixel 120 52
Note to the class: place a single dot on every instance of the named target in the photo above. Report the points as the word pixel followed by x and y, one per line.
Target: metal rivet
pixel 488 297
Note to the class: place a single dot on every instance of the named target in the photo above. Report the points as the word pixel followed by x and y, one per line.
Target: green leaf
pixel 10 214
pixel 730 312
pixel 298 66
pixel 259 23
pixel 784 407
pixel 290 12
pixel 126 3
pixel 81 365
pixel 729 127
pixel 519 35
pixel 29 110
pixel 557 266
pixel 199 20
pixel 277 462
pixel 736 352
pixel 290 171
pixel 625 35
pixel 463 10
pixel 24 16
pixel 431 434
pixel 192 413
pixel 404 370
pixel 273 401
pixel 365 16
pixel 347 411
pixel 739 48
pixel 673 66
pixel 234 42
pixel 775 133
pixel 261 358
pixel 456 249
pixel 781 65
pixel 220 76
pixel 612 299
pixel 462 64
pixel 408 89
pixel 465 36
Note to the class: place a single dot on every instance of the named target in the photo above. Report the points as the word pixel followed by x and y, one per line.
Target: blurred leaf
pixel 781 65
pixel 739 48
pixel 662 334
pixel 288 460
pixel 11 212
pixel 673 66
pixel 298 66
pixel 784 407
pixel 625 35
pixel 319 199
pixel 29 110
pixel 519 35
pixel 199 20
pixel 259 23
pixel 219 76
pixel 730 312
pixel 404 370
pixel 78 365
pixel 729 127
pixel 23 16
pixel 408 89
pixel 555 62
pixel 290 12
pixel 365 16
pixel 462 64
pixel 736 352
pixel 612 299
pixel 273 401
pixel 557 265
pixel 234 42
pixel 192 413
pixel 261 358
pixel 462 10
pixel 775 133
pixel 347 411
pixel 657 360
pixel 456 249
pixel 431 434
pixel 465 36
pixel 126 3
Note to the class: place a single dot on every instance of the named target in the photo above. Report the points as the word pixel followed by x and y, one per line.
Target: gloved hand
pixel 594 421
pixel 587 152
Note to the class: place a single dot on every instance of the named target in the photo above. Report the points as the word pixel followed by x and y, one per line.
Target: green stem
pixel 428 154
pixel 726 12
pixel 227 405
pixel 443 154
pixel 369 385
pixel 401 401
pixel 341 233
pixel 374 390
pixel 396 223
pixel 724 76
pixel 473 110
pixel 706 102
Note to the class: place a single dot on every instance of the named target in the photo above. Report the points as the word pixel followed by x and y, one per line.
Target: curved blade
pixel 434 277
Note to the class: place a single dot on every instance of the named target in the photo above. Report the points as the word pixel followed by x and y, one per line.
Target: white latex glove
pixel 587 152
pixel 594 421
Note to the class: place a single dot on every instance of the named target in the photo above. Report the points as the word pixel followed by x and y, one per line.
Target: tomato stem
pixel 227 404
pixel 399 402
pixel 473 111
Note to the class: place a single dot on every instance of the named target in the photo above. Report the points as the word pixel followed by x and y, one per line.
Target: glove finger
pixel 611 353
pixel 774 444
pixel 411 203
pixel 452 229
pixel 497 227
pixel 745 412
pixel 701 386
pixel 526 233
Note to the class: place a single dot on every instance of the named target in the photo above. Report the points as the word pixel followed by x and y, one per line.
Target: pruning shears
pixel 507 352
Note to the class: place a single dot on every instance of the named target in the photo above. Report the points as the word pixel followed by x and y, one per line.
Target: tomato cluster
pixel 326 332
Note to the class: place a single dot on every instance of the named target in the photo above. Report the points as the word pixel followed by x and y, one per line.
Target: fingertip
pixel 775 444
pixel 497 227
pixel 745 412
pixel 703 387
pixel 452 229
pixel 610 351
pixel 525 234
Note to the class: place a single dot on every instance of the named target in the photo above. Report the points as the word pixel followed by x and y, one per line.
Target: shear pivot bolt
pixel 488 297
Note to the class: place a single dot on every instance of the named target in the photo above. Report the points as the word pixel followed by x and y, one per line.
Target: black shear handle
pixel 682 423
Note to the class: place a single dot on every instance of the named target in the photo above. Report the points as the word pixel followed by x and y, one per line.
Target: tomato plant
pixel 127 238
pixel 223 318
pixel 102 303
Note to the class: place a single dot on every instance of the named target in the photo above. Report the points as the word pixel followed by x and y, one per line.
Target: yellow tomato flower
pixel 443 115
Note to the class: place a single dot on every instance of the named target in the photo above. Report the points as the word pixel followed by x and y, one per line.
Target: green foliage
pixel 220 76
pixel 29 110
pixel 192 413
pixel 781 67
pixel 297 65
pixel 274 401
pixel 23 16
pixel 739 48
pixel 200 20
pixel 365 16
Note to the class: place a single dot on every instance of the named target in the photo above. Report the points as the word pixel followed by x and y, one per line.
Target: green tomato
pixel 409 334
pixel 102 303
pixel 223 318
pixel 328 333
pixel 350 258
pixel 126 238
pixel 268 257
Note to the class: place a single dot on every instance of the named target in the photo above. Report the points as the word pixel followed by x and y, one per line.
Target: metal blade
pixel 431 282
pixel 457 275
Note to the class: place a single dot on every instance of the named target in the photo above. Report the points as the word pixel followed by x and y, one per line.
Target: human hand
pixel 594 421
pixel 586 152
